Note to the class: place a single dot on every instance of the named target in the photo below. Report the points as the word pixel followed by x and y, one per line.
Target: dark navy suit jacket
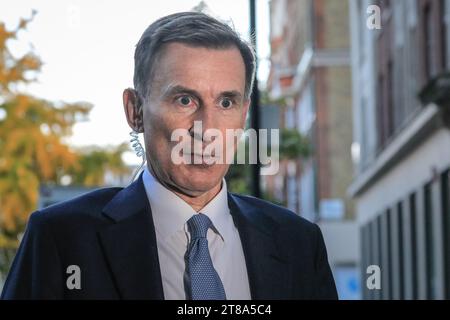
pixel 110 235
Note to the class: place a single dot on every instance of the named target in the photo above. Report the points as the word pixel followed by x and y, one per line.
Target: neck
pixel 199 202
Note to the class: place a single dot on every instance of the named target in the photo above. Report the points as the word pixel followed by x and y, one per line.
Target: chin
pixel 200 178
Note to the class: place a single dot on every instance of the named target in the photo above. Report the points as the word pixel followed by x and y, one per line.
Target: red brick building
pixel 310 71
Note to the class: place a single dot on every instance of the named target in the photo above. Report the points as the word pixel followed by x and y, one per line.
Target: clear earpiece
pixel 139 150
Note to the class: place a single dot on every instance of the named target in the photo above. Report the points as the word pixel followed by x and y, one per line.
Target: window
pixel 413 217
pixel 385 256
pixel 364 146
pixel 432 38
pixel 413 70
pixel 364 260
pixel 385 84
pixel 388 263
pixel 412 52
pixel 401 268
pixel 380 112
pixel 389 108
pixel 375 252
pixel 429 241
pixel 380 246
pixel 445 198
pixel 428 41
pixel 443 31
pixel 368 254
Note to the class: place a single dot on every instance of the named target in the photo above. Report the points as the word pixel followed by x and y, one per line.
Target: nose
pixel 208 118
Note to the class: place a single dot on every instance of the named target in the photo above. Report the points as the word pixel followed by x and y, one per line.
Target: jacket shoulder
pixel 282 216
pixel 88 205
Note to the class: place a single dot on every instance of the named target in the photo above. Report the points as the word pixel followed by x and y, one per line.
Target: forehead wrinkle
pixel 176 72
pixel 171 60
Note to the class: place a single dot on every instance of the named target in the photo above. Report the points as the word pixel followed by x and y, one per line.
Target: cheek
pixel 158 130
pixel 158 124
pixel 232 120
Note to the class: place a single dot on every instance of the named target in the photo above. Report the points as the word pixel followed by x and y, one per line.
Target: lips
pixel 201 160
pixel 201 155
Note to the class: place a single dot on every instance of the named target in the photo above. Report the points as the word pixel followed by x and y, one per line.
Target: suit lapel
pixel 268 269
pixel 130 247
pixel 130 244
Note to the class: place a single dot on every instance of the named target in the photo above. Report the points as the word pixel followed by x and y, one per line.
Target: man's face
pixel 192 84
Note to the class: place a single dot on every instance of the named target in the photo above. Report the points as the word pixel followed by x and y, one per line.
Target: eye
pixel 185 101
pixel 226 103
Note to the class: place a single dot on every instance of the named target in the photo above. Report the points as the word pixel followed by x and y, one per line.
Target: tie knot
pixel 198 226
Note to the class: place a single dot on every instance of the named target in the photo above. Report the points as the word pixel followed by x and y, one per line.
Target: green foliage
pixel 93 163
pixel 32 149
pixel 31 132
pixel 293 145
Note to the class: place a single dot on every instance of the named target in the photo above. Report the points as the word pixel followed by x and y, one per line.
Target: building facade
pixel 401 149
pixel 310 71
pixel 310 77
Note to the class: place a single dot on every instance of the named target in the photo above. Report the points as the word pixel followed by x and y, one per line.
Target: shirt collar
pixel 170 212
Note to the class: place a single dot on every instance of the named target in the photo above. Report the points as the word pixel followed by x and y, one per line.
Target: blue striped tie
pixel 201 280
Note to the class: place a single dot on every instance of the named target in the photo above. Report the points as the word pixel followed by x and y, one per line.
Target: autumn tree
pixel 94 162
pixel 31 133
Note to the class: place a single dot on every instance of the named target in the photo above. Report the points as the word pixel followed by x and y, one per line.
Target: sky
pixel 87 48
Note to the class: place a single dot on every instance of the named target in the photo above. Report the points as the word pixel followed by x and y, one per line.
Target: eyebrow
pixel 172 90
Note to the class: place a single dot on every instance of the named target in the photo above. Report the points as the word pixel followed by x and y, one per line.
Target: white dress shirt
pixel 170 214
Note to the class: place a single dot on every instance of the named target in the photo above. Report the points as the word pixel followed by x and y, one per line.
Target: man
pixel 175 233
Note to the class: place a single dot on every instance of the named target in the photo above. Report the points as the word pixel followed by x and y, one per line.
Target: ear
pixel 133 110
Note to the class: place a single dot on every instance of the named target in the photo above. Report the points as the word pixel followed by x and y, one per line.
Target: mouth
pixel 201 160
pixel 204 156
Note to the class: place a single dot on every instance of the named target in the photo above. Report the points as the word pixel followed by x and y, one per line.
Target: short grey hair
pixel 194 29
